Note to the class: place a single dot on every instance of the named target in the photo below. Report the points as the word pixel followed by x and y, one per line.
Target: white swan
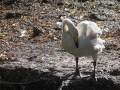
pixel 82 40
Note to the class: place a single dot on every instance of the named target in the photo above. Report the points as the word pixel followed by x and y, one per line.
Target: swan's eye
pixel 99 34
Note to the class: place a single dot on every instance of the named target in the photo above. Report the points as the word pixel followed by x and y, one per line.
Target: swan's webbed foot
pixel 91 81
pixel 77 74
pixel 74 76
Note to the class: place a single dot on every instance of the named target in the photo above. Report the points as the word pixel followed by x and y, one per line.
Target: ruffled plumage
pixel 89 41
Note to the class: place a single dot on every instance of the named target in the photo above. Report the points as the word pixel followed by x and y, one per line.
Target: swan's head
pixel 68 27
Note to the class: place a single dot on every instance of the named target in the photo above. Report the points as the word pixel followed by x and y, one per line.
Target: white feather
pixel 89 41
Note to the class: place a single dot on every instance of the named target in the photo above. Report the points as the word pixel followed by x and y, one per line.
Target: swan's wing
pixel 93 31
pixel 89 36
pixel 89 29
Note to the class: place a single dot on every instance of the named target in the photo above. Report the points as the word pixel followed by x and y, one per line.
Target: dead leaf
pixel 22 59
pixel 99 23
pixel 118 47
pixel 3 58
pixel 51 48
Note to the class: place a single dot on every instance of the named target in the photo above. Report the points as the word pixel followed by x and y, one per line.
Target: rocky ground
pixel 31 55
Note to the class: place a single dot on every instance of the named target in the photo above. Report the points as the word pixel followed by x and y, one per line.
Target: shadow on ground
pixel 102 84
pixel 29 79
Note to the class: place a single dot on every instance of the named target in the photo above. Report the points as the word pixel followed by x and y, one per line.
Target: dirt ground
pixel 31 55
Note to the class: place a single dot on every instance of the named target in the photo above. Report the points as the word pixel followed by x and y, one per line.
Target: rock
pixel 118 0
pixel 36 31
pixel 95 16
pixel 10 15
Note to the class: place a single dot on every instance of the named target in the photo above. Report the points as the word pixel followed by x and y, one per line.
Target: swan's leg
pixel 77 74
pixel 94 64
pixel 77 68
pixel 91 80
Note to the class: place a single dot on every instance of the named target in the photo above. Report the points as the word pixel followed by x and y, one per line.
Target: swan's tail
pixel 99 45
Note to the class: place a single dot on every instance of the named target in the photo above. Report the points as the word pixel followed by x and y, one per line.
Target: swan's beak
pixel 76 40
